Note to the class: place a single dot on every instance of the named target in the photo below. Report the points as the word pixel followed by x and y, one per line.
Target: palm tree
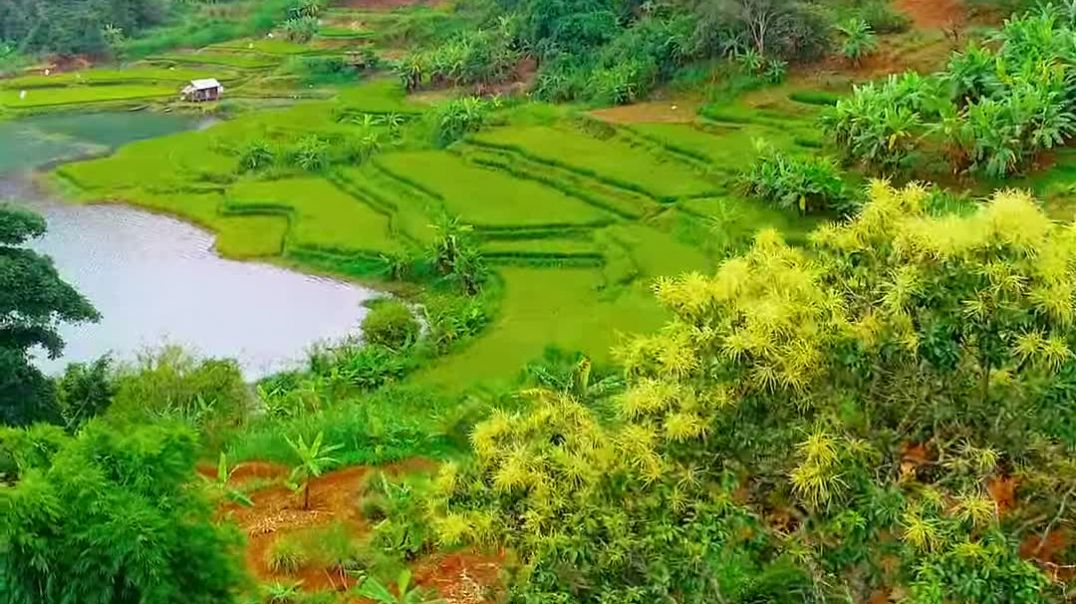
pixel 312 459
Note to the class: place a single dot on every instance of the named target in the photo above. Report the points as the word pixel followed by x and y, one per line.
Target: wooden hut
pixel 199 91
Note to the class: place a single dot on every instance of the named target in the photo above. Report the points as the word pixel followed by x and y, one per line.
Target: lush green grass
pixel 267 46
pixel 84 95
pixel 228 59
pixel 377 96
pixel 138 74
pixel 606 159
pixel 487 197
pixel 323 216
pixel 546 307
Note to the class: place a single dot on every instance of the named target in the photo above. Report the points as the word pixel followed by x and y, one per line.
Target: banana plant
pixel 377 591
pixel 312 460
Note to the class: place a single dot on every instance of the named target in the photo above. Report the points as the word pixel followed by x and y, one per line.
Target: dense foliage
pixel 805 184
pixel 109 516
pixel 390 323
pixel 615 51
pixel 75 26
pixel 33 302
pixel 993 111
pixel 813 425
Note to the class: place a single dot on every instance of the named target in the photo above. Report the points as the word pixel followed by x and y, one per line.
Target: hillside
pixel 740 301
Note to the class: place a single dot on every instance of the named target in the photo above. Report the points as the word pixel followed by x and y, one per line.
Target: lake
pixel 157 280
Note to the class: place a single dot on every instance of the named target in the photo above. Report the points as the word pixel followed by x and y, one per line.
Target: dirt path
pixel 933 14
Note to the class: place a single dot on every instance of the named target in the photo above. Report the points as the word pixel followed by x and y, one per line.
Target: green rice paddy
pixel 577 219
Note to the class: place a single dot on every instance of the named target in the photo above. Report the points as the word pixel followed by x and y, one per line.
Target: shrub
pixel 286 555
pixel 321 70
pixel 391 324
pixel 301 29
pixel 457 118
pixel 879 125
pixel 858 39
pixel 883 19
pixel 256 155
pixel 172 384
pixel 809 185
pixel 403 531
pixel 85 391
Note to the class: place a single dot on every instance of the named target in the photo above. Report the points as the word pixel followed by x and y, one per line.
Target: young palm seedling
pixel 312 460
pixel 377 591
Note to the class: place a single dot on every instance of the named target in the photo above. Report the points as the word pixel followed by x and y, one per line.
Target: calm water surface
pixel 155 279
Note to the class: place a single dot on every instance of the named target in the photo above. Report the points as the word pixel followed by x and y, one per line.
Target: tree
pixel 812 425
pixel 112 516
pixel 312 460
pixel 85 391
pixel 34 300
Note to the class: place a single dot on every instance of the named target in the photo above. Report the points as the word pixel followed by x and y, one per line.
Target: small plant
pixel 312 460
pixel 311 154
pixel 377 591
pixel 456 256
pixel 301 29
pixel 858 40
pixel 282 593
pixel 286 555
pixel 255 155
pixel 391 324
pixel 220 483
pixel 455 119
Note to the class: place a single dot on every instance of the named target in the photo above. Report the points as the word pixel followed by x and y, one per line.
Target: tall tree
pixel 34 300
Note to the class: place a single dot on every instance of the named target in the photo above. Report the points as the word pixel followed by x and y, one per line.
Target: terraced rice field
pixel 577 220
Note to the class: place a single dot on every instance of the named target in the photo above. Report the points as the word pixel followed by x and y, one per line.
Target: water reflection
pixel 156 279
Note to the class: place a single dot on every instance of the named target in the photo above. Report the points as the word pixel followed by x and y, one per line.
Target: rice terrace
pixel 537 301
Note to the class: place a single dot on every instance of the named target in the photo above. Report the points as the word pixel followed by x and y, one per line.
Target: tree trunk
pixel 306 496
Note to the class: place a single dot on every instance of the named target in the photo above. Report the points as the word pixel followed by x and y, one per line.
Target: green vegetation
pixel 992 112
pixel 34 301
pixel 123 495
pixel 656 353
pixel 828 353
pixel 390 323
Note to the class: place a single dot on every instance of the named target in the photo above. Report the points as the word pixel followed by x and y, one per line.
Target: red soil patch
pixel 277 511
pixel 459 578
pixel 933 14
pixel 462 577
pixel 1003 491
pixel 652 112
pixel 1045 553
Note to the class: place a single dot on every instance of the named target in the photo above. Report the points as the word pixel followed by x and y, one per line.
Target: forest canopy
pixel 75 26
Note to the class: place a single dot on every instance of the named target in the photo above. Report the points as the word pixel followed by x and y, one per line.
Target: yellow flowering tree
pixel 824 422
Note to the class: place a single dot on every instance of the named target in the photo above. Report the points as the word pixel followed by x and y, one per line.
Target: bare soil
pixel 934 14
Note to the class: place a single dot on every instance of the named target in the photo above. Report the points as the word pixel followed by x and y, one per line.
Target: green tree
pixel 312 461
pixel 34 301
pixel 812 425
pixel 112 516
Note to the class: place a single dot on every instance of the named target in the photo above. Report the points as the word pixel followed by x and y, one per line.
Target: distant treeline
pixel 75 26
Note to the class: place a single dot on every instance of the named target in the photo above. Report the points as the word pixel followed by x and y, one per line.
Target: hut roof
pixel 206 84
